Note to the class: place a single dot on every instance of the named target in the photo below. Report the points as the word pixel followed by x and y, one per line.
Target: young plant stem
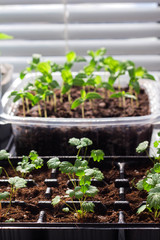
pixel 9 202
pixel 47 99
pixel 45 110
pixel 131 92
pixel 23 103
pixel 12 166
pixel 55 102
pixel 91 104
pixel 27 104
pixel 137 102
pixel 0 210
pixel 82 109
pixel 69 97
pixel 39 110
pixel 108 94
pixel 6 172
pixel 73 183
pixel 124 102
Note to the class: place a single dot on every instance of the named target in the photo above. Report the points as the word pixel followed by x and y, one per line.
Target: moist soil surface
pixel 98 108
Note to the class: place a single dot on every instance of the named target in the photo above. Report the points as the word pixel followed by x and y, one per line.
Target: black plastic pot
pixel 94 231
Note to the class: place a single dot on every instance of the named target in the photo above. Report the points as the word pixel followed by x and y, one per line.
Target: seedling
pixel 151 182
pixel 5 155
pixel 123 95
pixel 84 97
pixel 29 163
pixel 3 196
pixel 82 189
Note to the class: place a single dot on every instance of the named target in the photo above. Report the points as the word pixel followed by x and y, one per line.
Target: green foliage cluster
pixel 28 163
pixel 45 86
pixel 151 182
pixel 82 189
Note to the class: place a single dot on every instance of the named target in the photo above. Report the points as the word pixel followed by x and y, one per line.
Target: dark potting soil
pixel 98 108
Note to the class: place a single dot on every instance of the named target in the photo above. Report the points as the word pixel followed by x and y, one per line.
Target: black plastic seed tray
pixel 120 230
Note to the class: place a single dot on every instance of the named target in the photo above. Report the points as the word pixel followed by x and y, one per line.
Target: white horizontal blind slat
pixel 104 14
pixel 18 14
pixel 81 31
pixel 23 2
pixel 27 48
pixel 113 31
pixel 119 47
pixel 112 1
pixel 34 31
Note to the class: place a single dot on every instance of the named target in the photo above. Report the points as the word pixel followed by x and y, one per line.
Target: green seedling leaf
pixel 89 172
pixel 98 175
pixel 156 144
pixel 92 191
pixel 66 209
pixel 141 209
pixel 97 155
pixel 4 155
pixel 157 167
pixel 56 200
pixel 74 141
pixel 71 56
pixel 140 185
pixel 66 167
pixel 153 198
pixel 17 182
pixel 23 74
pixel 67 76
pixel 80 59
pixel 89 70
pixel 88 206
pixel 78 194
pixel 4 36
pixel 70 192
pixel 142 147
pixel 10 220
pixel 84 142
pixel 1 170
pixel 53 163
pixel 116 95
pixel 108 86
pixel 78 82
pixel 77 102
pixel 44 67
pixel 4 195
pixel 36 58
pixel 93 95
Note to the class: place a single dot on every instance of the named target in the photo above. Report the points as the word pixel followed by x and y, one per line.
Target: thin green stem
pixel 24 112
pixel 82 109
pixel 12 166
pixel 39 110
pixel 45 110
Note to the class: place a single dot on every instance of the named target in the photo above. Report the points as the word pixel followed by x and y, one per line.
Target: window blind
pixel 128 29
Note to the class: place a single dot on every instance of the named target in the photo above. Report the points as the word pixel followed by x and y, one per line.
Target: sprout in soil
pixel 123 95
pixel 84 97
pixel 82 189
pixel 151 182
pixel 29 163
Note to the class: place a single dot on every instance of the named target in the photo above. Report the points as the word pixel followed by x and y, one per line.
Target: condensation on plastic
pixel 49 136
